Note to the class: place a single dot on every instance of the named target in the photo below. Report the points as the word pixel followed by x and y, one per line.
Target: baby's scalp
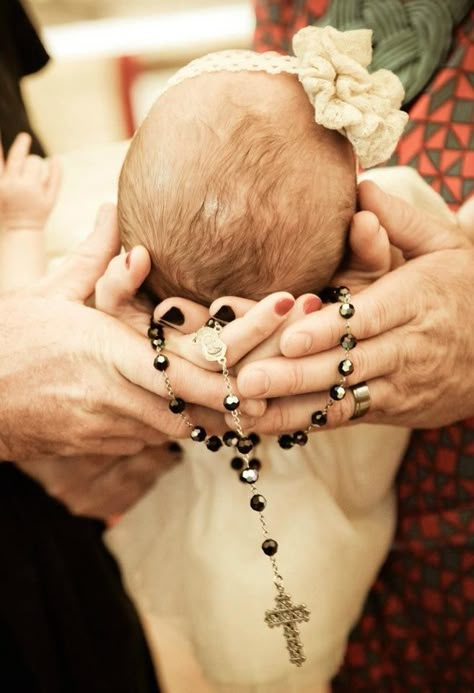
pixel 234 189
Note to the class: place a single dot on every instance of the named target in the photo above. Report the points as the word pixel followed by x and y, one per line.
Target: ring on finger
pixel 361 396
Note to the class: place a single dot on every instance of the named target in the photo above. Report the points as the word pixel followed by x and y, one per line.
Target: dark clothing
pixel 21 53
pixel 66 625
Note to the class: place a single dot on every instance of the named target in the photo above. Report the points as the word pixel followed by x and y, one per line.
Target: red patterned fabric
pixel 417 629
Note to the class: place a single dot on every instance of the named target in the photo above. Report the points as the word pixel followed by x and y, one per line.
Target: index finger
pixel 389 302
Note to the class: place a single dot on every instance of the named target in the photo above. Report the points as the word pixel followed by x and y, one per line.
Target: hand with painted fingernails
pixel 414 334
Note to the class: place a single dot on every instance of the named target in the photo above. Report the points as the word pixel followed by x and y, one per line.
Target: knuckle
pixel 361 361
pixel 341 412
pixel 298 378
pixel 279 419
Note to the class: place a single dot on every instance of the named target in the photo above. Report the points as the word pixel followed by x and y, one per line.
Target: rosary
pixel 285 613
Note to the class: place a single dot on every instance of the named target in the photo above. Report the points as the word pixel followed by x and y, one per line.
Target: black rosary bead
pixel 198 434
pixel 258 503
pixel 177 405
pixel 337 392
pixel 348 341
pixel 300 438
pixel 329 294
pixel 342 293
pixel 175 447
pixel 255 438
pixel 347 310
pixel 213 443
pixel 255 464
pixel 346 367
pixel 158 343
pixel 231 402
pixel 244 446
pixel 155 332
pixel 319 418
pixel 285 441
pixel 231 438
pixel 250 476
pixel 161 362
pixel 237 463
pixel 269 547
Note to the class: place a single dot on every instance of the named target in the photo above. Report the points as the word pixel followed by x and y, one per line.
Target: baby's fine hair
pixel 251 208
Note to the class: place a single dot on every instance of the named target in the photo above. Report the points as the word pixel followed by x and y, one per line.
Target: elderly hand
pixel 99 485
pixel 413 326
pixel 74 381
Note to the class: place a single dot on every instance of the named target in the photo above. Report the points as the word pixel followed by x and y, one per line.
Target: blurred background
pixel 111 58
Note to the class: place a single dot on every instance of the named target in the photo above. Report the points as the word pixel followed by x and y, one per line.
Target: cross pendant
pixel 288 616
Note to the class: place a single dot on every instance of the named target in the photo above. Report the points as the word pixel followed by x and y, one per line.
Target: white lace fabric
pixel 332 68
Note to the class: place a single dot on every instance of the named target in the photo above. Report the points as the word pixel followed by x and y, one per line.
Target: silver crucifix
pixel 288 616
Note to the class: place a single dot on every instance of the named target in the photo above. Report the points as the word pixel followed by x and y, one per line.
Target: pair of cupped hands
pixel 411 282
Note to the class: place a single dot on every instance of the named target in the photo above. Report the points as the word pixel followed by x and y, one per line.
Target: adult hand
pixel 99 485
pixel 415 335
pixel 74 381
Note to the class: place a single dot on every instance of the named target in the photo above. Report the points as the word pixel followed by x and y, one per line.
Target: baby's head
pixel 234 189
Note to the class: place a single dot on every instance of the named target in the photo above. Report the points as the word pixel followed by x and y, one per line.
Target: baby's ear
pixel 369 255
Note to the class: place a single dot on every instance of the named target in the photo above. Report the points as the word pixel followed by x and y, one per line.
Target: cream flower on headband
pixel 346 97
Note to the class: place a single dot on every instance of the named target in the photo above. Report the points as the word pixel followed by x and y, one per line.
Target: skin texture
pixel 79 391
pixel 402 310
pixel 415 344
pixel 415 339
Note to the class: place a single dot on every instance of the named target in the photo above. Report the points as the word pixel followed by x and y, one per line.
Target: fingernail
pixel 225 313
pixel 175 448
pixel 127 259
pixel 174 316
pixel 253 407
pixel 312 304
pixel 254 383
pixel 284 305
pixel 297 344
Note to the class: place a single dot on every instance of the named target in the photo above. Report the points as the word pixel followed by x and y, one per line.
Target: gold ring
pixel 361 399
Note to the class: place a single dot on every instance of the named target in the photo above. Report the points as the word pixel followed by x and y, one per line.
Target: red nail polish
pixel 127 259
pixel 284 305
pixel 312 304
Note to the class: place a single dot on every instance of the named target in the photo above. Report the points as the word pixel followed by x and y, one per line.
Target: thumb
pixel 369 246
pixel 77 275
pixel 414 232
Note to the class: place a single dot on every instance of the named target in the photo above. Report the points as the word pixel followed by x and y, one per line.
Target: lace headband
pixel 332 68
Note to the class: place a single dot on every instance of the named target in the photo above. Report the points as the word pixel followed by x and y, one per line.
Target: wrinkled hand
pixel 415 335
pixel 98 485
pixel 74 381
pixel 28 187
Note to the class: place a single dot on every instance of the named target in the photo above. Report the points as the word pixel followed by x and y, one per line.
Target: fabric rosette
pixel 363 106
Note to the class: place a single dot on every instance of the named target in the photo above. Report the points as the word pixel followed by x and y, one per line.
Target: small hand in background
pixel 28 187
pixel 28 190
